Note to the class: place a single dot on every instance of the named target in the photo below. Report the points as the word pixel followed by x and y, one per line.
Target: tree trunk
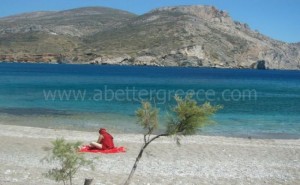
pixel 139 157
pixel 135 165
pixel 88 181
pixel 71 180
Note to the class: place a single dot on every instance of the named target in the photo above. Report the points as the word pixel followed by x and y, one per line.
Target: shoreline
pixel 205 159
pixel 268 136
pixel 154 66
pixel 37 132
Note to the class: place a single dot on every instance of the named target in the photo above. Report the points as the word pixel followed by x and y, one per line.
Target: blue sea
pixel 256 103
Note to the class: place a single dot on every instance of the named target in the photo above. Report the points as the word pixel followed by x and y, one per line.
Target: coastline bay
pixel 112 94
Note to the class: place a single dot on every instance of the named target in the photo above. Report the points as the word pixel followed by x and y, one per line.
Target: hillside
pixel 54 36
pixel 169 36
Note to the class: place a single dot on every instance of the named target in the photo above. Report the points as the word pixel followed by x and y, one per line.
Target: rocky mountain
pixel 169 36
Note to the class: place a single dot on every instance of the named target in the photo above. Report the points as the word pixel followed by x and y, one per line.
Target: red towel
pixel 87 148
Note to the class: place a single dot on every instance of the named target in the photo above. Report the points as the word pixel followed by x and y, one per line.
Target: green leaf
pixel 68 160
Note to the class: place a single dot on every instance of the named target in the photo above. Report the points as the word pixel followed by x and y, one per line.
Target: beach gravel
pixel 199 160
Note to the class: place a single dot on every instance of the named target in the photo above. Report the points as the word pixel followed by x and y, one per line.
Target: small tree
pixel 187 119
pixel 66 156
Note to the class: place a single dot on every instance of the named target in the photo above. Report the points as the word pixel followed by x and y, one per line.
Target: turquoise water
pixel 256 103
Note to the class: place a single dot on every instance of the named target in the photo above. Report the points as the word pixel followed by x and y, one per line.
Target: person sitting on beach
pixel 105 140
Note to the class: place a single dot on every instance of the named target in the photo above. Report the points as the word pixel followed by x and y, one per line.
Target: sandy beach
pixel 200 159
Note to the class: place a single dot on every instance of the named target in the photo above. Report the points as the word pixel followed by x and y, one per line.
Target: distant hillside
pixel 75 22
pixel 170 36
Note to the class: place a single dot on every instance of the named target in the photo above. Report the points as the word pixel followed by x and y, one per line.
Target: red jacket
pixel 107 140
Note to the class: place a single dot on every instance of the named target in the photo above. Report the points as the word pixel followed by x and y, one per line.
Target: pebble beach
pixel 199 159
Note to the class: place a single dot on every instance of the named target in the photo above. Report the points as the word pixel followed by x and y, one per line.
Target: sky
pixel 278 19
